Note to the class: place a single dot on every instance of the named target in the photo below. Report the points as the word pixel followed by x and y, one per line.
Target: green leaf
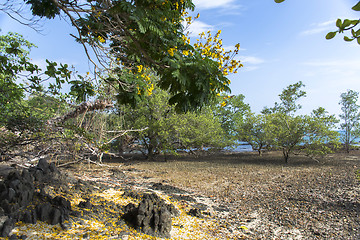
pixel 358 40
pixel 346 23
pixel 357 33
pixel 338 23
pixel 346 38
pixel 356 7
pixel 279 1
pixel 330 35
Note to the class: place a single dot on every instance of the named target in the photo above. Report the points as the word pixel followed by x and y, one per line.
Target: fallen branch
pixel 80 109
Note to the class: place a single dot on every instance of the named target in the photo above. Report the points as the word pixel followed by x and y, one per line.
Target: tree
pixel 230 111
pixel 168 131
pixel 199 130
pixel 289 96
pixel 254 130
pixel 321 137
pixel 129 36
pixel 287 131
pixel 18 76
pixel 350 117
pixel 344 25
pixel 30 100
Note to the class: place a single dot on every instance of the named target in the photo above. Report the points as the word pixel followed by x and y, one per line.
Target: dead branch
pixel 80 109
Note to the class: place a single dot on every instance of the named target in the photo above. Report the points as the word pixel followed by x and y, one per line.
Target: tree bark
pixel 80 109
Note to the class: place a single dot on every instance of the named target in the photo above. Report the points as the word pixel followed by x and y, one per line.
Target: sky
pixel 281 44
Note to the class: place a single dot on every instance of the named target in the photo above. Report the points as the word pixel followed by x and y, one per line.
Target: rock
pixel 6 227
pixel 85 204
pixel 44 166
pixel 55 211
pixel 43 212
pixel 131 194
pixel 62 203
pixel 17 189
pixel 17 192
pixel 44 171
pixel 55 216
pixel 195 212
pixel 3 220
pixel 29 217
pixel 152 216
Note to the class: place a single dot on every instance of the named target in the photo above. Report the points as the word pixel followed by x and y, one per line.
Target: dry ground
pixel 263 198
pixel 248 196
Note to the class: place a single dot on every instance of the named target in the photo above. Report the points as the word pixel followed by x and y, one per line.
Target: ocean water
pixel 245 147
pixel 242 147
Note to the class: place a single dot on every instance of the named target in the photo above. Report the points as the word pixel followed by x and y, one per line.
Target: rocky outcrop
pixel 19 192
pixel 152 216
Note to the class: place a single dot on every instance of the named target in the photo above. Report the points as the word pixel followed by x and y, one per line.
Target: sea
pixel 245 147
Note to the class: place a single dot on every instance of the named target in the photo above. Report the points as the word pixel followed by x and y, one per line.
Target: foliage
pixel 167 130
pixel 350 116
pixel 254 130
pixel 321 137
pixel 288 97
pixel 344 25
pixel 230 111
pixel 280 128
pixel 130 36
pixel 196 130
pixel 287 132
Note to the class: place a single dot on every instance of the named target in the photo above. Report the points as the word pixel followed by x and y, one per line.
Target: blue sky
pixel 280 44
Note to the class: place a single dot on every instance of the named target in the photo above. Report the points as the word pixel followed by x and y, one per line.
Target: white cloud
pixel 250 63
pixel 319 28
pixel 208 4
pixel 251 60
pixel 250 68
pixel 337 75
pixel 198 27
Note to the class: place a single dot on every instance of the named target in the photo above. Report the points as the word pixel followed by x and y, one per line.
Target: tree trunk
pixel 286 156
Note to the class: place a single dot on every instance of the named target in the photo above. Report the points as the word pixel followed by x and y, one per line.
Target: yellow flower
pixel 150 89
pixel 171 51
pixel 223 104
pixel 140 67
pixel 101 39
pixel 185 52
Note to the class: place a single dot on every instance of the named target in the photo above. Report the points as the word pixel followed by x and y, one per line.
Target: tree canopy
pixel 128 37
pixel 350 116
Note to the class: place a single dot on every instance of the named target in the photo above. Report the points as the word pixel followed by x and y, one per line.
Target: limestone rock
pixel 152 216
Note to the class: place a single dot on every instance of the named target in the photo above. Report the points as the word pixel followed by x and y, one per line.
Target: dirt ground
pixel 247 196
pixel 264 198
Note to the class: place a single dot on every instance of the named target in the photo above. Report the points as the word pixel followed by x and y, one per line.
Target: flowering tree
pixel 128 37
